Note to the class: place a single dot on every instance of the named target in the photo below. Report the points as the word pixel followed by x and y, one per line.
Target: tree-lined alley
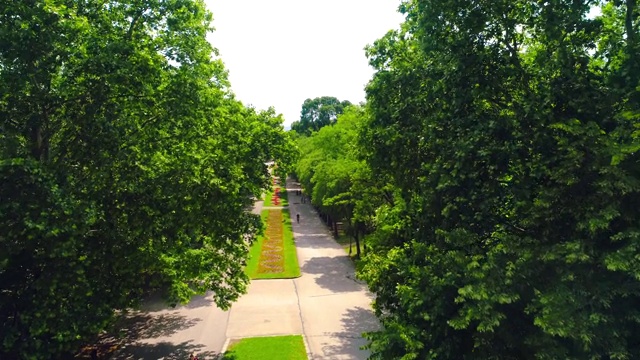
pixel 492 177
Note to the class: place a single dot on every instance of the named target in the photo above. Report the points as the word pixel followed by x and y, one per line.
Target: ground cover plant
pixel 268 348
pixel 261 256
pixel 272 252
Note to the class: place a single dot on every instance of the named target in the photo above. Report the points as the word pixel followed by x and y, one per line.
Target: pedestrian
pixel 298 218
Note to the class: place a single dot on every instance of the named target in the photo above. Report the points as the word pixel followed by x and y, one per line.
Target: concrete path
pixel 158 332
pixel 326 305
pixel 335 308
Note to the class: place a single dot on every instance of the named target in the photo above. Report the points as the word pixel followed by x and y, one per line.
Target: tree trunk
pixel 357 238
pixel 628 24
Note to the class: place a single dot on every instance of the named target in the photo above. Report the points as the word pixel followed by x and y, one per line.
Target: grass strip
pixel 291 267
pixel 251 269
pixel 267 198
pixel 284 197
pixel 267 348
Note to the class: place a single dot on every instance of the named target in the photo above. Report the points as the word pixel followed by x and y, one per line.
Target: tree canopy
pixel 338 179
pixel 507 129
pixel 317 113
pixel 506 134
pixel 126 166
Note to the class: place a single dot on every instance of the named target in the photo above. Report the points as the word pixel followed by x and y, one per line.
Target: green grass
pixel 291 267
pixel 267 198
pixel 284 200
pixel 284 196
pixel 267 348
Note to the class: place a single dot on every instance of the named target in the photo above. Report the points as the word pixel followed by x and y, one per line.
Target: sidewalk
pixel 335 309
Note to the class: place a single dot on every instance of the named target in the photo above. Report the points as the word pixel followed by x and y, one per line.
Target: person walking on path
pixel 298 218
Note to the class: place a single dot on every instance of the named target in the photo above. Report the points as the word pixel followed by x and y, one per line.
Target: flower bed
pixel 272 252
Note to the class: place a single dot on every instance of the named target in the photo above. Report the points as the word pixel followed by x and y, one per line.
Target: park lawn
pixel 267 198
pixel 291 267
pixel 267 348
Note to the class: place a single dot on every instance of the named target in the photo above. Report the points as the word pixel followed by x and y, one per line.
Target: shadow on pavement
pixel 350 341
pixel 315 241
pixel 125 340
pixel 165 351
pixel 198 302
pixel 145 326
pixel 336 273
pixel 155 303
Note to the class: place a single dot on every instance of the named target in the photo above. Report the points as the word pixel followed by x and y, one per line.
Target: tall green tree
pixel 332 170
pixel 508 129
pixel 317 113
pixel 126 165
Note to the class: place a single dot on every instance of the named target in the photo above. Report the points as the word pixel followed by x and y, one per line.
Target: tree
pixel 126 166
pixel 317 113
pixel 510 141
pixel 331 169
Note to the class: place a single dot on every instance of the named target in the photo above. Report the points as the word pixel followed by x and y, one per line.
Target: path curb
pixel 307 347
pixel 225 346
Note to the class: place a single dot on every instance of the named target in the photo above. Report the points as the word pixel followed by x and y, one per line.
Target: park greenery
pixel 126 166
pixel 277 196
pixel 317 113
pixel 338 180
pixel 289 347
pixel 282 252
pixel 494 172
pixel 490 181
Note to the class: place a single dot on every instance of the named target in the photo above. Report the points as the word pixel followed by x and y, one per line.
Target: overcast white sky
pixel 281 52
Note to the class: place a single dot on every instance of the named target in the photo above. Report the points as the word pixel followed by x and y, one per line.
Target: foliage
pixel 289 347
pixel 126 165
pixel 509 131
pixel 331 170
pixel 317 113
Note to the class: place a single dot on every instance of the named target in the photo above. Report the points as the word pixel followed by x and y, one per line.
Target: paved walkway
pixel 325 305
